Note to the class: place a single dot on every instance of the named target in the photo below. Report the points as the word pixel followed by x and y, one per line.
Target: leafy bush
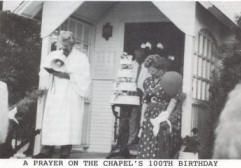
pixel 223 81
pixel 20 48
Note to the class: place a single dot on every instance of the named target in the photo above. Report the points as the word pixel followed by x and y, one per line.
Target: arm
pixel 165 114
pixel 171 106
pixel 58 74
pixel 79 73
pixel 142 113
pixel 143 109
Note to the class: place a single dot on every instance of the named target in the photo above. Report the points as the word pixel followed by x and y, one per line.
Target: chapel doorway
pixel 165 32
pixel 83 34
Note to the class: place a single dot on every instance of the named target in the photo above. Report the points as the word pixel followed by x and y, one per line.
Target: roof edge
pixel 216 12
pixel 28 8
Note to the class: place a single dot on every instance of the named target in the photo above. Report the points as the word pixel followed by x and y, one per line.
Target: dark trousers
pixel 129 125
pixel 65 150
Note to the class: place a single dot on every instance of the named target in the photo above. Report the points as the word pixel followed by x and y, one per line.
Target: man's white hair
pixel 228 132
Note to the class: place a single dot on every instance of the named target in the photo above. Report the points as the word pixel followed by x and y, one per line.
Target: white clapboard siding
pixel 101 118
pixel 104 64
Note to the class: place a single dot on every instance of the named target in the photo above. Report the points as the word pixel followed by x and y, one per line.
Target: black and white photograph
pixel 120 79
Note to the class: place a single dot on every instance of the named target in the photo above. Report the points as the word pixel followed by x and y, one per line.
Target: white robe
pixel 64 107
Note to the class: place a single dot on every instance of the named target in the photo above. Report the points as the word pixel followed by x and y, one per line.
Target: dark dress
pixel 165 145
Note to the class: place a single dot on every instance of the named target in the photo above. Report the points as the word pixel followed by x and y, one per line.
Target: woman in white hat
pixel 68 76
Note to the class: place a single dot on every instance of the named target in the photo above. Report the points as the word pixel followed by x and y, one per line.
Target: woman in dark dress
pixel 160 134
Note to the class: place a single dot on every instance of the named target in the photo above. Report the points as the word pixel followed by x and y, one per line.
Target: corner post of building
pixel 41 101
pixel 187 85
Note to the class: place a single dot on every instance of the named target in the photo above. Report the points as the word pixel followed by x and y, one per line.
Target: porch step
pixel 87 155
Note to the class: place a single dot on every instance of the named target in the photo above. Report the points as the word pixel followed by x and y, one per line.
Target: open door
pixel 165 32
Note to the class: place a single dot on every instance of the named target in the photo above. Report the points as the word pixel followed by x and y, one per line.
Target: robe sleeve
pixel 79 71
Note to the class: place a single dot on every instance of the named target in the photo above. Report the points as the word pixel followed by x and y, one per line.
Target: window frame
pixel 205 57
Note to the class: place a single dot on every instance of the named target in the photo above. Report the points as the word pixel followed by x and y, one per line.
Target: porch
pixel 87 22
pixel 86 155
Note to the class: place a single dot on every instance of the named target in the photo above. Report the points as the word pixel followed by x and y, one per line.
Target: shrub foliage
pixel 20 48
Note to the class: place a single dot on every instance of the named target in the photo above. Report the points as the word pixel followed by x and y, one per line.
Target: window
pixel 81 33
pixel 204 60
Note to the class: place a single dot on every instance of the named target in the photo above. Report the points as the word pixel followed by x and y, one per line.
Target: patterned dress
pixel 165 145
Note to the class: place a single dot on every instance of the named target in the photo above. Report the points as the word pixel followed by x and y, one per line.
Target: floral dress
pixel 166 143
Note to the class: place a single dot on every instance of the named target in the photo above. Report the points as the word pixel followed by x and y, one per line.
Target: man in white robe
pixel 66 88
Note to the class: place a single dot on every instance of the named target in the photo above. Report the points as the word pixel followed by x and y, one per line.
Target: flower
pixel 160 45
pixel 170 57
pixel 148 44
pixel 125 53
pixel 143 45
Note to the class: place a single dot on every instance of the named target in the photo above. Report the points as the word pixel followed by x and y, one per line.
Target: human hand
pixel 49 70
pixel 156 126
pixel 12 113
pixel 156 122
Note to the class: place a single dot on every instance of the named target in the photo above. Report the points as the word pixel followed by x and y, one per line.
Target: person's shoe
pixel 41 156
pixel 134 142
pixel 65 151
pixel 125 153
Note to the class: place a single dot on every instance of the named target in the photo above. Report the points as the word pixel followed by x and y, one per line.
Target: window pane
pixel 194 87
pixel 205 43
pixel 86 34
pixel 72 26
pixel 207 91
pixel 199 89
pixel 79 32
pixel 199 66
pixel 200 45
pixel 209 50
pixel 203 64
pixel 195 66
pixel 208 70
pixel 203 90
